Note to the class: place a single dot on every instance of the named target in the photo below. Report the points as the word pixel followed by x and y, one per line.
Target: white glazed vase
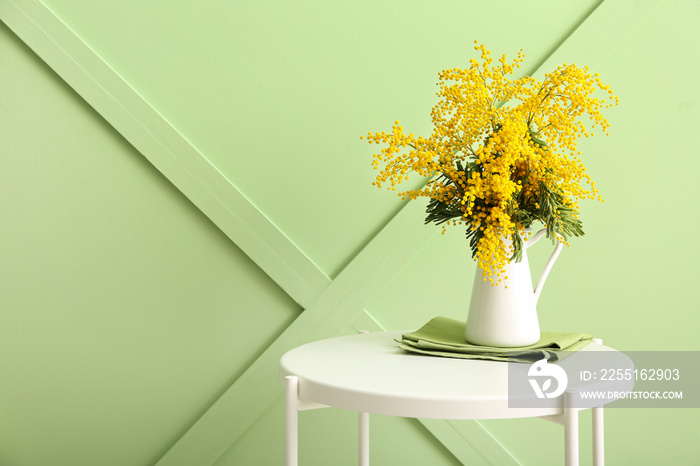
pixel 507 317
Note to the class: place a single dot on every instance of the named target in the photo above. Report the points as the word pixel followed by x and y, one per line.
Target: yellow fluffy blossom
pixel 502 153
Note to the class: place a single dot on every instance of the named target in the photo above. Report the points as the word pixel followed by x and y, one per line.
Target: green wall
pixel 125 313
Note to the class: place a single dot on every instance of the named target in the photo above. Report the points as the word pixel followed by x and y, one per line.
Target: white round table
pixel 368 373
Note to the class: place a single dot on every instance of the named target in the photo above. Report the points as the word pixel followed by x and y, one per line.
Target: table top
pixel 369 373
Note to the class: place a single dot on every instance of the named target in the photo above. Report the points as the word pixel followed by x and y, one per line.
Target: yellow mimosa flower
pixel 502 154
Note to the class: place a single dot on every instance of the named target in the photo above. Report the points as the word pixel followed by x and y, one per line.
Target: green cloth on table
pixel 445 337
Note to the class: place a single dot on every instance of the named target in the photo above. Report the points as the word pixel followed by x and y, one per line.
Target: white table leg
pixel 291 420
pixel 363 424
pixel 363 430
pixel 570 431
pixel 571 437
pixel 598 432
pixel 598 437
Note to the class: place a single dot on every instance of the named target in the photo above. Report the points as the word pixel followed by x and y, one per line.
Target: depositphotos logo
pixel 546 373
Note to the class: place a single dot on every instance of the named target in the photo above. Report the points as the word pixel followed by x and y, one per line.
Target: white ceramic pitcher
pixel 507 317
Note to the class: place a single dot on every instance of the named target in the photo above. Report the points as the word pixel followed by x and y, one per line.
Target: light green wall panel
pixel 277 94
pixel 329 436
pixel 535 442
pixel 169 312
pixel 636 280
pixel 632 437
pixel 437 282
pixel 124 313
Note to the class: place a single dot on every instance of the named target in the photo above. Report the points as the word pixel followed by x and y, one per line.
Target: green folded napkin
pixel 445 337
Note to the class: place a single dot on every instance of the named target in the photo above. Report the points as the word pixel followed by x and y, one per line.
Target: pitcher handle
pixel 548 266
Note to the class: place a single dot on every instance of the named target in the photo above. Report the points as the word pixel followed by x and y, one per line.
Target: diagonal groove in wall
pixel 330 306
pixel 178 160
pixel 393 248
